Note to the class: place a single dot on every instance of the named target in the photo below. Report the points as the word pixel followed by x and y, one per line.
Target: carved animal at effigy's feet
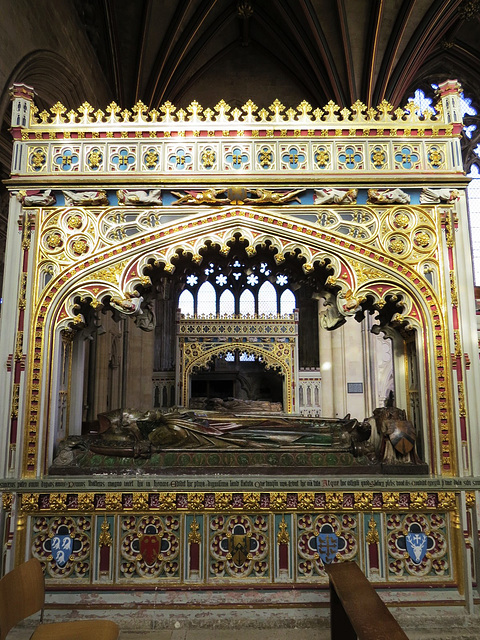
pixel 398 436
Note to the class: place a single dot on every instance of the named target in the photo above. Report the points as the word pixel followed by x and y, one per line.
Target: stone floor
pixel 265 634
pixel 205 634
pixel 283 623
pixel 469 629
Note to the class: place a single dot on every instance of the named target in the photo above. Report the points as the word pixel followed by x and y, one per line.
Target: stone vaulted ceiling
pixel 318 50
pixel 341 50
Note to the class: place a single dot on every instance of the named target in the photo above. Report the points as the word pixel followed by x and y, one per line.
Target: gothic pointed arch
pixel 119 280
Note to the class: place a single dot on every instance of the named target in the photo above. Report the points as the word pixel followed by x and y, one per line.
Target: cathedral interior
pixel 238 324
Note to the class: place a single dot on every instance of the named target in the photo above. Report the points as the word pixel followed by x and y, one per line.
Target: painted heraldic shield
pixel 401 434
pixel 150 548
pixel 327 547
pixel 416 546
pixel 239 548
pixel 62 547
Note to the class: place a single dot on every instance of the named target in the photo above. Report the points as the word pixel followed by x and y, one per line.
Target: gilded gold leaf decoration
pixel 372 535
pixel 110 274
pixel 113 501
pixel 194 536
pixel 365 273
pixel 86 502
pixel 306 500
pixel 283 537
pixel 168 501
pixel 30 502
pixel 251 500
pixel 105 538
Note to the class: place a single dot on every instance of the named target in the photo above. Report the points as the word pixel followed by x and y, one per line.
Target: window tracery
pixel 234 289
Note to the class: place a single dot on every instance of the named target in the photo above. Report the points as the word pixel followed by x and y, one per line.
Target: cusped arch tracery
pixel 350 279
pixel 276 356
pixel 126 271
pixel 393 307
pixel 348 269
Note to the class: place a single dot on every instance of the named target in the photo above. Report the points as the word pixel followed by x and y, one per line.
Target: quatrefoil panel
pixel 180 158
pixel 350 156
pixel 66 159
pixel 123 158
pixel 293 156
pixel 237 157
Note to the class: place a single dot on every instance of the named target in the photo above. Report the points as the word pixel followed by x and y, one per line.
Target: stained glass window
pixel 206 300
pixel 247 303
pixel 287 302
pixel 185 303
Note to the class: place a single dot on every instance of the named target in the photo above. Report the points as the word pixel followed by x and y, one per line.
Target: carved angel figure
pixel 209 196
pixel 35 198
pixel 133 197
pixel 335 196
pixel 330 317
pixel 128 306
pixel 266 196
pixel 388 196
pixel 85 198
pixel 347 302
pixel 434 196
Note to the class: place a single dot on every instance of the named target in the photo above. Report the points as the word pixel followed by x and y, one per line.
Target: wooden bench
pixel 356 610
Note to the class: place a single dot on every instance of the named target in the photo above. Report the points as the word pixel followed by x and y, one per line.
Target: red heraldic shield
pixel 150 548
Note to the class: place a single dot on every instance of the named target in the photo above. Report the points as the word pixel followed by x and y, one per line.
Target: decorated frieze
pixel 232 501
pixel 223 537
pixel 252 545
pixel 241 325
pixel 72 233
pixel 182 159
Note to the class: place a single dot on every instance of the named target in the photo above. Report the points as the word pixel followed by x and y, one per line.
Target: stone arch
pixel 131 269
pixel 280 361
pixel 365 279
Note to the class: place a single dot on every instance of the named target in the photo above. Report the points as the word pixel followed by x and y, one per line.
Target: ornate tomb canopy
pixel 110 195
pixel 366 206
